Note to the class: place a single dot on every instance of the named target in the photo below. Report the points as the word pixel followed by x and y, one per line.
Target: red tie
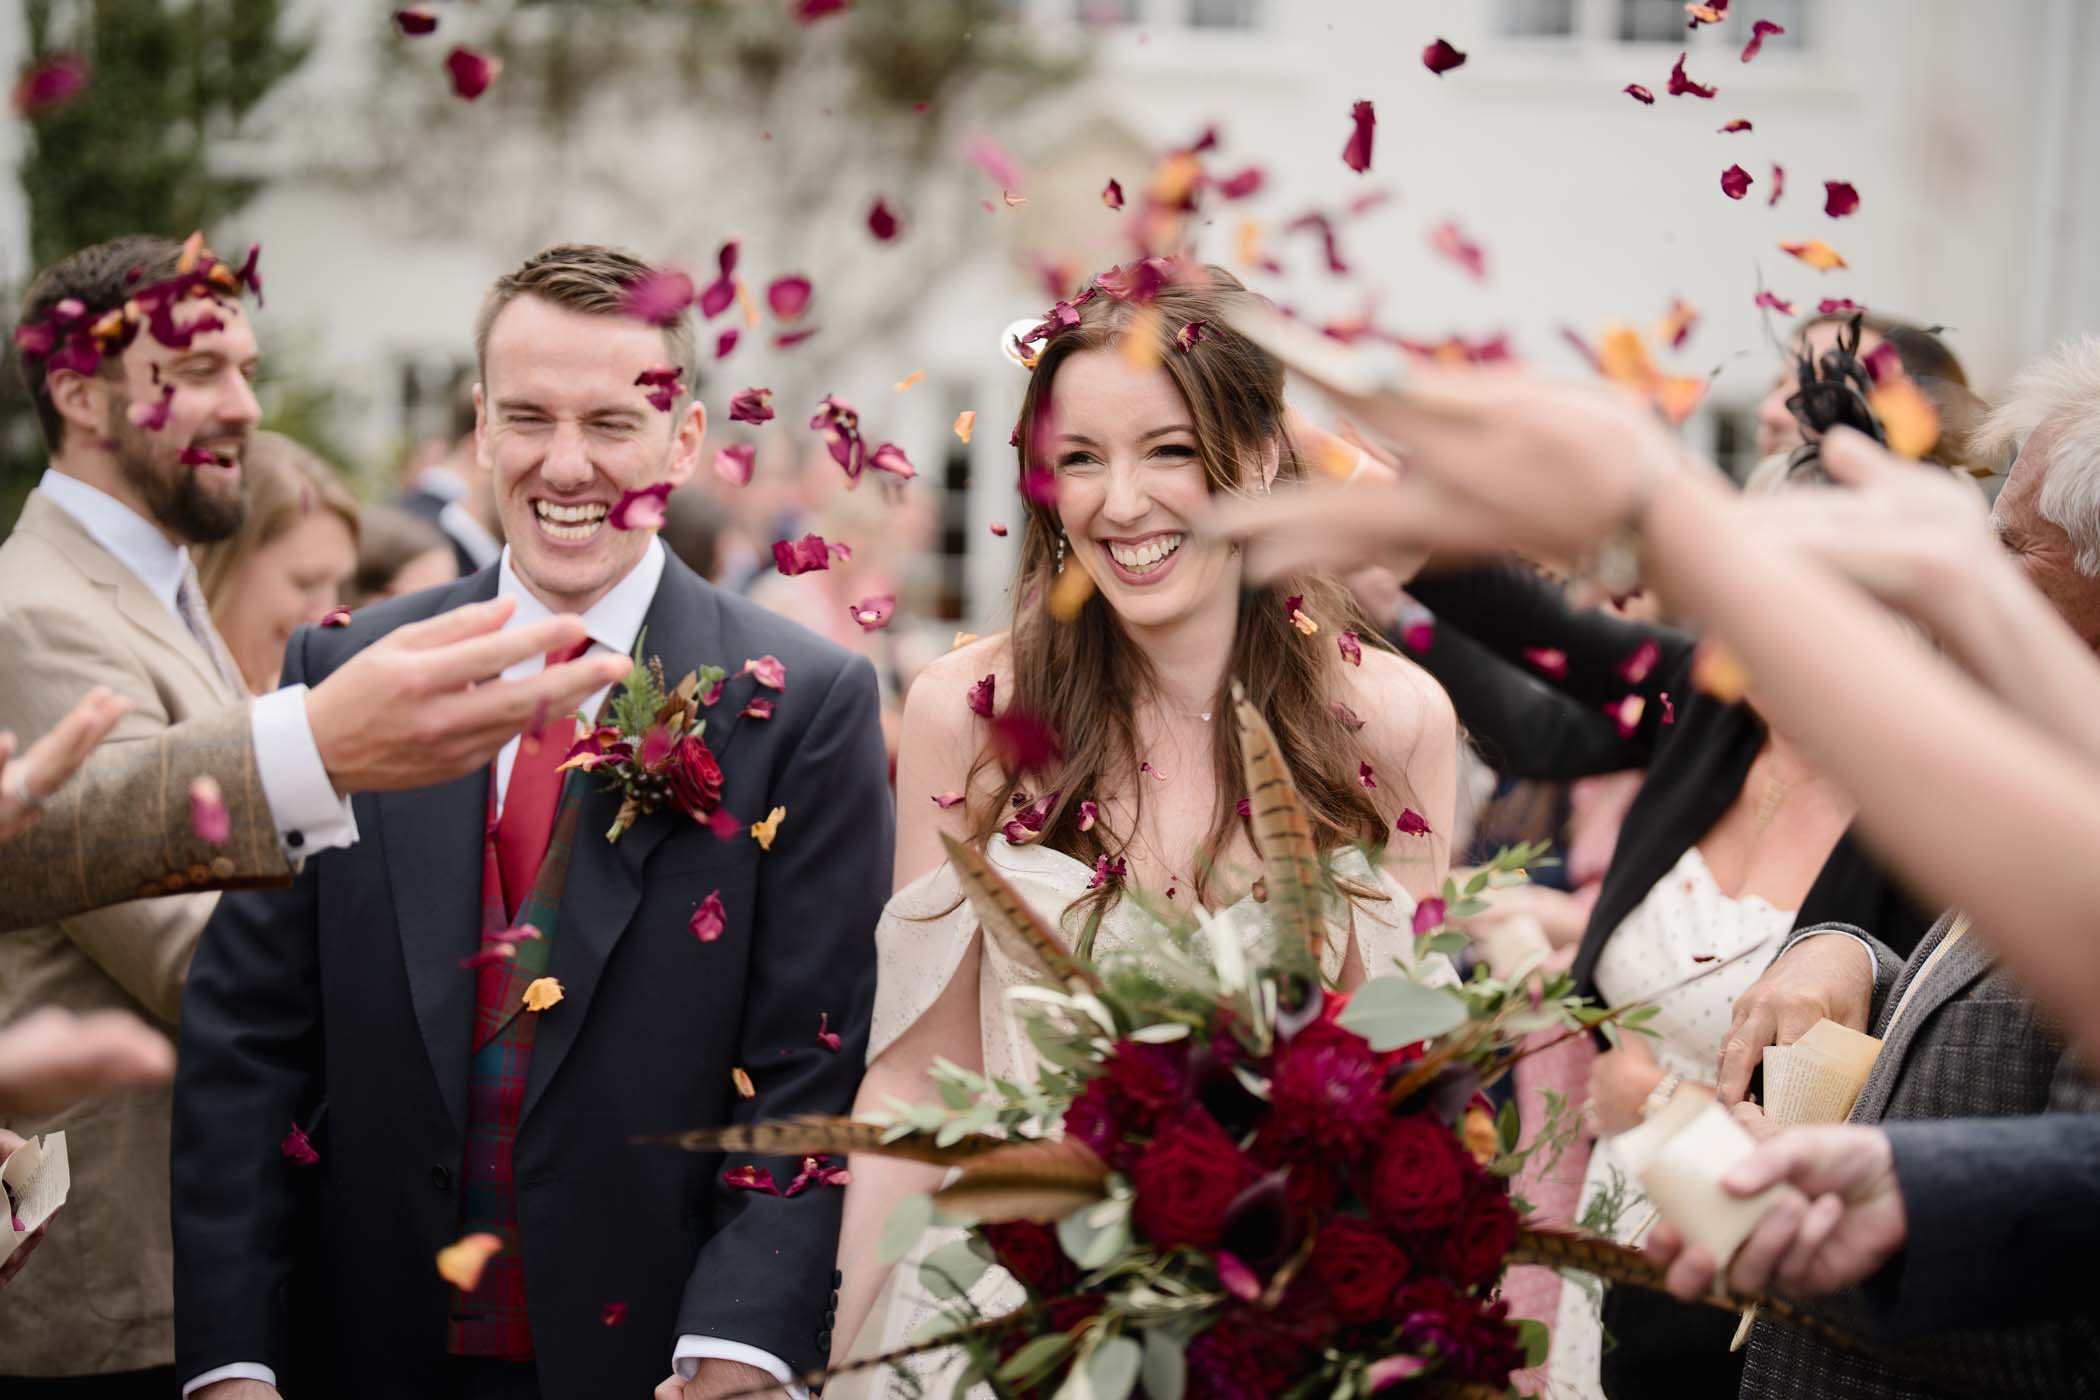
pixel 527 823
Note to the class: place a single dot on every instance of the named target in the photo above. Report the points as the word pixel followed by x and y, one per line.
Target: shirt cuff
pixel 309 814
pixel 692 1350
pixel 238 1371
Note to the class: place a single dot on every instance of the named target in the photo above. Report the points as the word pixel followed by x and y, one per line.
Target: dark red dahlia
pixel 1325 1091
pixel 1147 1080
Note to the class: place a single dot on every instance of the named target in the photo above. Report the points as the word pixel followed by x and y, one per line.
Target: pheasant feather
pixel 1006 917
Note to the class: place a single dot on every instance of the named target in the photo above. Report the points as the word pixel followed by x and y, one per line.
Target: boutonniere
pixel 653 745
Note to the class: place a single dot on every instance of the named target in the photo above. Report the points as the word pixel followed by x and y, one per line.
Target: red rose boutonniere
pixel 652 746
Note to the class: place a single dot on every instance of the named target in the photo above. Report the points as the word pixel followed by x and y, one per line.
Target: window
pixel 1538 19
pixel 1221 14
pixel 1652 21
pixel 1105 12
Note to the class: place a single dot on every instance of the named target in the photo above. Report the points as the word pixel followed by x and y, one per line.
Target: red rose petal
pixel 209 819
pixel 614 1314
pixel 1411 823
pixel 1440 58
pixel 1088 815
pixel 1669 710
pixel 1429 914
pixel 751 1178
pixel 1682 86
pixel 980 697
pixel 873 614
pixel 1778 185
pixel 50 85
pixel 1759 32
pixel 198 457
pixel 1882 363
pixel 642 509
pixel 827 1037
pixel 1779 304
pixel 1245 807
pixel 751 406
pixel 709 919
pixel 1028 822
pixel 768 671
pixel 789 297
pixel 1351 647
pixel 1348 717
pixel 890 458
pixel 1243 184
pixel 1022 742
pixel 1739 124
pixel 998 528
pixel 1447 240
pixel 665 384
pixel 660 297
pixel 1831 306
pixel 296 1147
pixel 839 423
pixel 1635 668
pixel 716 296
pixel 945 800
pixel 415 21
pixel 338 616
pixel 1839 199
pixel 1639 94
pixel 1185 339
pixel 810 11
pixel 805 555
pixel 1551 661
pixel 724 826
pixel 881 222
pixel 757 709
pixel 1112 194
pixel 1357 153
pixel 1735 182
pixel 733 463
pixel 1106 870
pixel 471 72
pixel 152 416
pixel 726 342
pixel 1626 713
pixel 1365 776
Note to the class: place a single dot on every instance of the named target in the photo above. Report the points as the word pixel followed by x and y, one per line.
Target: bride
pixel 1141 434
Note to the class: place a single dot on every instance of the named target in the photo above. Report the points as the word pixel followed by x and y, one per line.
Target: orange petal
pixel 1141 341
pixel 965 423
pixel 1478 1131
pixel 910 379
pixel 1249 243
pixel 1624 358
pixel 1907 416
pixel 1678 395
pixel 461 1264
pixel 764 832
pixel 1069 594
pixel 1816 253
pixel 1303 623
pixel 192 250
pixel 542 993
pixel 741 1078
pixel 1719 672
pixel 1336 457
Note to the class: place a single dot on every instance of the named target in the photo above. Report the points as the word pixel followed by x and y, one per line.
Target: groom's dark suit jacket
pixel 340 1003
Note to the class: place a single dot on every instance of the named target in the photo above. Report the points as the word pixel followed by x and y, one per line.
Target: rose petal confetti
pixel 1778 184
pixel 50 85
pixel 945 800
pixel 1347 717
pixel 543 993
pixel 1719 672
pixel 1682 86
pixel 794 338
pixel 1411 823
pixel 1882 363
pixel 613 1315
pixel 489 956
pixel 890 458
pixel 1550 661
pixel 980 696
pixel 754 405
pixel 1106 870
pixel 415 21
pixel 1816 253
pixel 1639 94
pixel 152 416
pixel 1448 241
pixel 1022 742
pixel 1357 153
pixel 751 1178
pixel 873 614
pixel 810 11
pixel 1088 815
pixel 764 832
pixel 1440 58
pixel 768 670
pixel 209 819
pixel 805 555
pixel 1626 713
pixel 827 1037
pixel 337 616
pixel 881 222
pixel 460 1264
pixel 659 297
pixel 1832 306
pixel 816 1171
pixel 1185 339
pixel 1245 807
pixel 1429 915
pixel 641 509
pixel 1775 302
pixel 998 529
pixel 296 1147
pixel 757 709
pixel 1112 194
pixel 965 424
pixel 1635 668
pixel 788 297
pixel 1365 776
pixel 1669 710
pixel 715 297
pixel 1731 128
pixel 1707 14
pixel 733 463
pixel 1907 416
pixel 709 919
pixel 724 826
pixel 1352 648
pixel 1677 323
pixel 1839 199
pixel 199 457
pixel 471 72
pixel 839 424
pixel 1735 182
pixel 1759 32
pixel 1149 771
pixel 740 1080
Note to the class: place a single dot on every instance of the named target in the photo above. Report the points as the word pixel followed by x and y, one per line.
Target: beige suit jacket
pixel 98 1297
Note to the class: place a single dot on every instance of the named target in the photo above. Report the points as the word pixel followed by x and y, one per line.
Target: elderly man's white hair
pixel 2062 394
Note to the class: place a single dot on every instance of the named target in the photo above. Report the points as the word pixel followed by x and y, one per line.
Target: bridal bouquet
pixel 1227 1180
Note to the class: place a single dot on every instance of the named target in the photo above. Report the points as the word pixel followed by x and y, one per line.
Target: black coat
pixel 341 1001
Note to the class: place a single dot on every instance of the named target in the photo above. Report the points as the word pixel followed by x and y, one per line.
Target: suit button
pixel 222 868
pixel 441 1177
pixel 837 1278
pixel 824 1340
pixel 199 874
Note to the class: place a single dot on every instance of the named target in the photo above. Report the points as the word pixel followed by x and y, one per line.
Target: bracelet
pixel 1660 1097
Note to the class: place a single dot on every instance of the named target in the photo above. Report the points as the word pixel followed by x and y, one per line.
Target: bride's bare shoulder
pixel 1406 714
pixel 939 730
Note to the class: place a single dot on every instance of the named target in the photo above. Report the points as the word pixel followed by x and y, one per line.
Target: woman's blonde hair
pixel 284 482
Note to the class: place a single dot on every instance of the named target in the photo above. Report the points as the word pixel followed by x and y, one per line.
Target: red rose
pixel 1412 1179
pixel 1476 1244
pixel 1186 1178
pixel 695 778
pixel 1030 1252
pixel 1359 1267
pixel 1091 1119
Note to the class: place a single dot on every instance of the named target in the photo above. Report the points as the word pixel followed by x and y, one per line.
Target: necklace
pixel 1776 791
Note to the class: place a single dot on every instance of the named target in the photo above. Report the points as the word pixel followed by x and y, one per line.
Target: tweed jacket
pixel 1970 1045
pixel 99 1297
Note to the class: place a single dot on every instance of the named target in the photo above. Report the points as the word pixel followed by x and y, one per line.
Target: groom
pixel 436 1102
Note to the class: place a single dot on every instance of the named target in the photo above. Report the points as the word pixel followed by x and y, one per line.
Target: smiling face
pixel 1130 479
pixel 564 431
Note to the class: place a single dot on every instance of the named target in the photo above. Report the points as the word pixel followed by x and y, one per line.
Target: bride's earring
pixel 1060 551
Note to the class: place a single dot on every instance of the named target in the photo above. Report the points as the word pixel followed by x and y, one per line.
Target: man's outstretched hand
pixel 426 703
pixel 717 1378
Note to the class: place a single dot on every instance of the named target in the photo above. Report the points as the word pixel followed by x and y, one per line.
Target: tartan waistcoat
pixel 491 1320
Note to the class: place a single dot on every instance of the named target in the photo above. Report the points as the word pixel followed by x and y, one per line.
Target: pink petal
pixel 1106 870
pixel 471 72
pixel 1112 195
pixel 716 296
pixel 209 819
pixel 665 383
pixel 757 709
pixel 709 919
pixel 1039 485
pixel 1245 183
pixel 1739 124
pixel 642 509
pixel 1551 661
pixel 1088 815
pixel 1022 742
pixel 1759 32
pixel 827 1037
pixel 614 1314
pixel 945 800
pixel 1028 822
pixel 1839 199
pixel 724 826
pixel 1626 713
pixel 1347 717
pixel 660 297
pixel 793 338
pixel 986 155
pixel 1357 153
pixel 1831 306
pixel 1428 915
pixel 1149 771
pixel 1669 710
pixel 336 617
pixel 890 458
pixel 1418 632
pixel 980 696
pixel 1393 1369
pixel 751 406
pixel 1365 776
pixel 726 342
pixel 789 297
pixel 50 85
pixel 998 528
pixel 839 423
pixel 873 614
pixel 194 456
pixel 881 222
pixel 1411 823
pixel 805 555
pixel 1882 363
pixel 839 549
pixel 1447 240
pixel 415 21
pixel 1682 86
pixel 733 463
pixel 1185 339
pixel 1351 647
pixel 297 1147
pixel 1783 307
pixel 1639 94
pixel 1635 668
pixel 1245 807
pixel 152 416
pixel 1778 185
pixel 1735 182
pixel 1440 58
pixel 751 1178
pixel 768 671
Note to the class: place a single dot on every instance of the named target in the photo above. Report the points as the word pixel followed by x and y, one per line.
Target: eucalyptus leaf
pixel 1390 1012
pixel 951 1270
pixel 1533 1337
pixel 1507 1126
pixel 1089 1245
pixel 1036 1356
pixel 1166 1368
pixel 907 1221
pixel 1113 1368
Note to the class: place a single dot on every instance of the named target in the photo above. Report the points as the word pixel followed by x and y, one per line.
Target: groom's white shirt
pixel 613 624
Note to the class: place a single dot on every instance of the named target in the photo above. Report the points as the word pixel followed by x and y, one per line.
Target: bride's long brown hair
pixel 1079 677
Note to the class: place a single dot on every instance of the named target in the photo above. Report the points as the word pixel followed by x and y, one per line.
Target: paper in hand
pixel 1678 1157
pixel 1817 1079
pixel 35 1178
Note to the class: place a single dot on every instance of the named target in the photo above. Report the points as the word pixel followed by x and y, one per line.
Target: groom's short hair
pixel 587 277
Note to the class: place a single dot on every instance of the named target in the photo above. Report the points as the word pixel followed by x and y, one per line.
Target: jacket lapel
pixel 604 884
pixel 432 840
pixel 1966 961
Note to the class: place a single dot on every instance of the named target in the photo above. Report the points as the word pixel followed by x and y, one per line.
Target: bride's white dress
pixel 928 926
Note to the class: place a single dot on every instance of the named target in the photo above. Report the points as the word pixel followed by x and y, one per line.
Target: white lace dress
pixel 925 930
pixel 1685 921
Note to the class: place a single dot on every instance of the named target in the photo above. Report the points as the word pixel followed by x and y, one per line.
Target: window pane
pixel 1652 21
pixel 1105 11
pixel 1221 14
pixel 1538 18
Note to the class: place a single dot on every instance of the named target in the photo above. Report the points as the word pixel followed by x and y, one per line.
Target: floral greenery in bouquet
pixel 1227 1179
